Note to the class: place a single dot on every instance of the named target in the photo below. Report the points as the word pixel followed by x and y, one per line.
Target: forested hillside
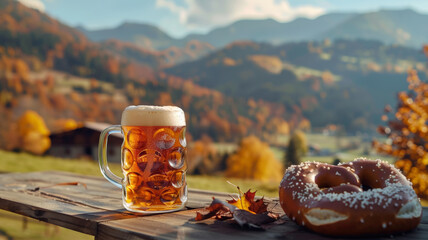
pixel 244 88
pixel 55 70
pixel 345 82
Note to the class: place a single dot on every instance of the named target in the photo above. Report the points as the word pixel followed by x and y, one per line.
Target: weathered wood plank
pixel 62 215
pixel 73 207
pixel 97 210
pixel 98 193
pixel 78 207
pixel 181 226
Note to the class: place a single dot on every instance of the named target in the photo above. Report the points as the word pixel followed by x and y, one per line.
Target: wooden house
pixel 83 142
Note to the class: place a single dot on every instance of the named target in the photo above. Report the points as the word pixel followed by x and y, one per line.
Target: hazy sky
pixel 179 17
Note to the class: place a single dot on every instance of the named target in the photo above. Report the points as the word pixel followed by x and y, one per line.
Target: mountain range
pixel 316 77
pixel 246 87
pixel 405 27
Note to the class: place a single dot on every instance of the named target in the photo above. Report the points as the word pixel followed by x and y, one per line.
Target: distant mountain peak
pixel 81 28
pixel 402 26
pixel 403 10
pixel 129 24
pixel 265 20
pixel 142 34
pixel 391 26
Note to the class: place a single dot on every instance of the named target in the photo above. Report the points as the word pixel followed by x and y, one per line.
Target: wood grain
pixel 95 207
pixel 73 207
pixel 181 226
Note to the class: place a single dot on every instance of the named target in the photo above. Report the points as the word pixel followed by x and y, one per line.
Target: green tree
pixel 297 148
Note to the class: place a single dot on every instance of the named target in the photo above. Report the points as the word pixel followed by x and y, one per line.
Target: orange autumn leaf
pixel 245 211
pixel 246 202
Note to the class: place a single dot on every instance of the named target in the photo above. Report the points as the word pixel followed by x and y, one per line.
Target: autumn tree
pixel 254 160
pixel 8 137
pixel 21 69
pixel 164 99
pixel 296 149
pixel 33 133
pixel 198 157
pixel 407 133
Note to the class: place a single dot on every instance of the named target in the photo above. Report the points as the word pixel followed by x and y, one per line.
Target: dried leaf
pixel 259 206
pixel 245 218
pixel 218 209
pixel 245 211
pixel 246 202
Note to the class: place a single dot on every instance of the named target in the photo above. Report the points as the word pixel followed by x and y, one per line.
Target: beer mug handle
pixel 102 155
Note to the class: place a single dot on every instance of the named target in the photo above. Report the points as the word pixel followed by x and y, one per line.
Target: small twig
pixel 232 184
pixel 274 206
pixel 239 192
pixel 60 184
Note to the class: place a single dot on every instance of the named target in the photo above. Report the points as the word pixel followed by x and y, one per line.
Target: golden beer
pixel 153 159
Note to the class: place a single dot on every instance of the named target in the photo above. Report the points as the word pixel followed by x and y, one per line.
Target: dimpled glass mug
pixel 153 158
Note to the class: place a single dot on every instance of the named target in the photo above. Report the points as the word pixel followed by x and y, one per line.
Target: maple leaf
pixel 218 209
pixel 245 211
pixel 246 202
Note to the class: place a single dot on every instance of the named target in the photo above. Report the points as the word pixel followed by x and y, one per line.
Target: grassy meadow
pixel 24 162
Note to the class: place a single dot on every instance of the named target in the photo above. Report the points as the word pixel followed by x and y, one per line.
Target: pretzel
pixel 360 198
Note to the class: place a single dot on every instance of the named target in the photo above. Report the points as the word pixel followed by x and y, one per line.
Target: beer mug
pixel 153 158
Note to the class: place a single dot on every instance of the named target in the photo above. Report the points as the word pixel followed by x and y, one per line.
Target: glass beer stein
pixel 153 158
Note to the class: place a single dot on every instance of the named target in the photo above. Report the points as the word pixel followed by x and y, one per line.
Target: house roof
pixel 96 126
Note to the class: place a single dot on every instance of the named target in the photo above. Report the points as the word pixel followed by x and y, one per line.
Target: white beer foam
pixel 145 115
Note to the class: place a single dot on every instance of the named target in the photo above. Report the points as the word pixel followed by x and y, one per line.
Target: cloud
pixel 36 4
pixel 206 14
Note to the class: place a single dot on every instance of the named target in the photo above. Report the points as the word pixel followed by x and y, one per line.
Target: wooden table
pixel 97 210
